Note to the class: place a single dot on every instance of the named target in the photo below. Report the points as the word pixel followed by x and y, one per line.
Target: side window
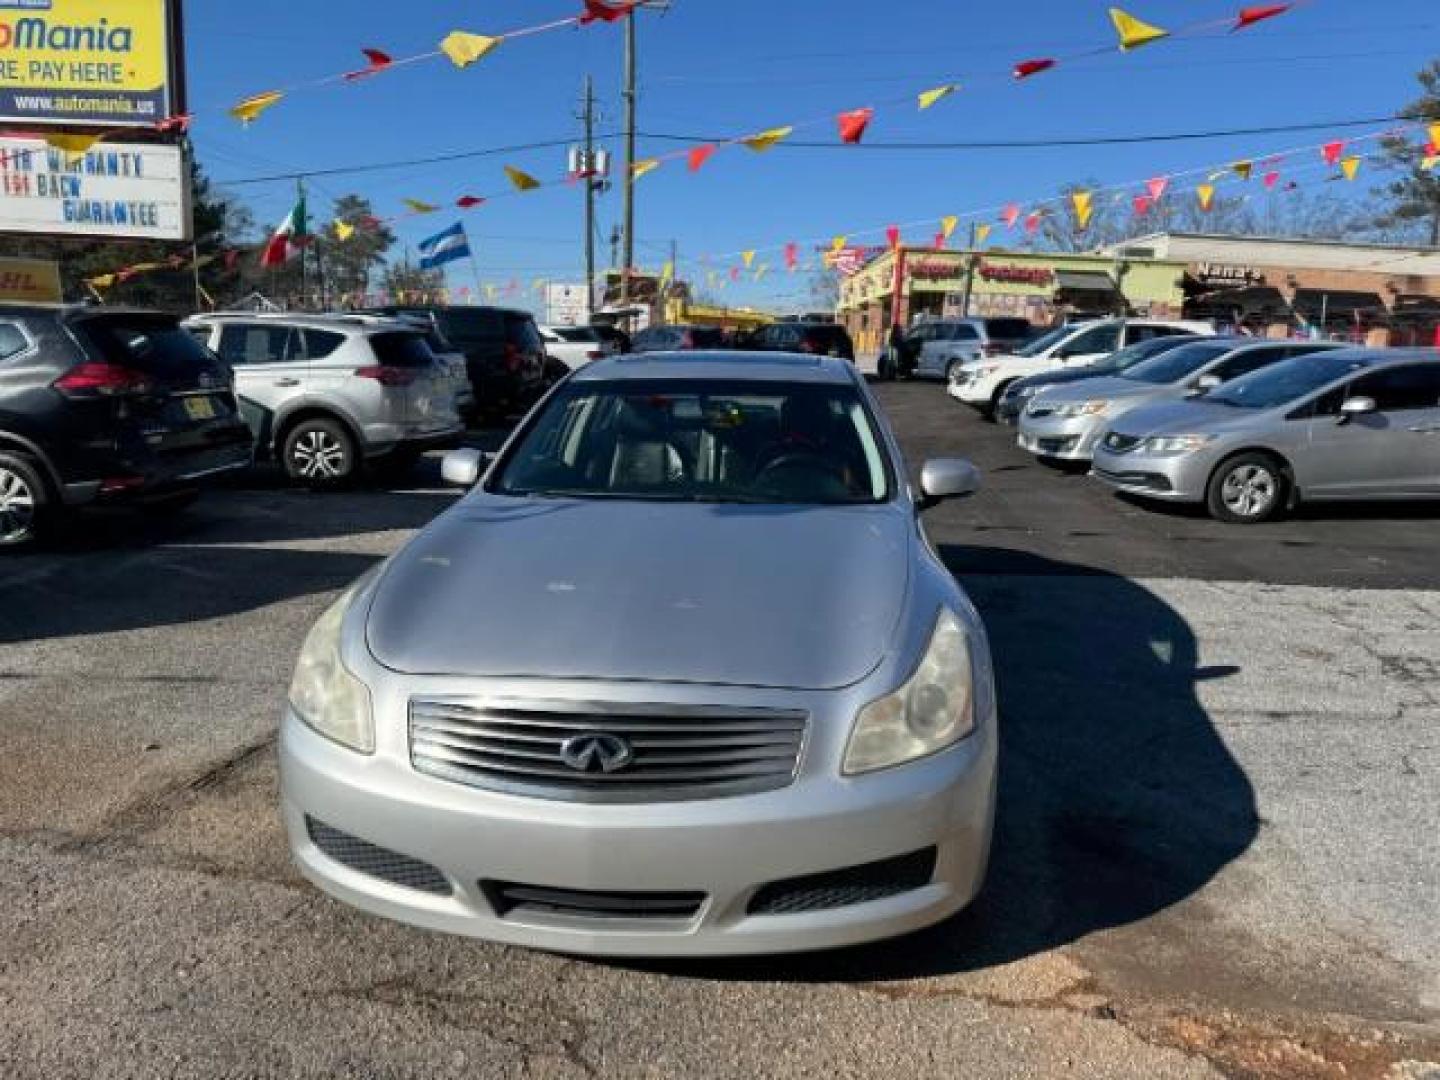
pixel 1148 332
pixel 1245 363
pixel 1416 386
pixel 964 332
pixel 321 343
pixel 12 341
pixel 1100 339
pixel 242 345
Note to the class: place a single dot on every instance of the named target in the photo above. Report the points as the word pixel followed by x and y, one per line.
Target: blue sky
pixel 725 67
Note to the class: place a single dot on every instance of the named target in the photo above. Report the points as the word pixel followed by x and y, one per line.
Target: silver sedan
pixel 1351 424
pixel 681 675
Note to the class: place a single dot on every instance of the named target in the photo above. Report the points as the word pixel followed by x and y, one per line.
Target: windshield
pixel 1131 355
pixel 1044 341
pixel 696 440
pixel 1284 382
pixel 1178 363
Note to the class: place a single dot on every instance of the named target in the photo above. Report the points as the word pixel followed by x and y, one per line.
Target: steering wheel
pixel 800 460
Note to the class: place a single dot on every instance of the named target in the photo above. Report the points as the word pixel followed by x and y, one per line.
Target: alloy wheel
pixel 319 456
pixel 17 507
pixel 1249 491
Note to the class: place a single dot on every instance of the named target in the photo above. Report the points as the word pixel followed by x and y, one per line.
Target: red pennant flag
pixel 1331 151
pixel 1251 15
pixel 1010 215
pixel 1141 204
pixel 378 61
pixel 792 256
pixel 173 124
pixel 1156 187
pixel 853 124
pixel 1032 221
pixel 939 240
pixel 699 155
pixel 468 202
pixel 599 11
pixel 892 234
pixel 1025 68
pixel 1271 179
pixel 1430 150
pixel 734 273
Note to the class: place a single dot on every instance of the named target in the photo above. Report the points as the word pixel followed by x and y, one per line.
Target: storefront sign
pixel 130 190
pixel 1223 274
pixel 33 281
pixel 566 305
pixel 934 269
pixel 88 62
pixel 1016 275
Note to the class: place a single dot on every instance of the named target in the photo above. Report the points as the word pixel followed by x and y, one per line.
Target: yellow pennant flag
pixel 667 273
pixel 73 145
pixel 1242 169
pixel 250 109
pixel 490 291
pixel 1206 194
pixel 104 281
pixel 931 96
pixel 415 206
pixel 523 181
pixel 837 243
pixel 981 232
pixel 1435 135
pixel 1429 162
pixel 464 49
pixel 538 284
pixel 761 271
pixel 640 168
pixel 1133 32
pixel 747 257
pixel 343 230
pixel 766 139
pixel 1083 207
pixel 1350 166
pixel 947 225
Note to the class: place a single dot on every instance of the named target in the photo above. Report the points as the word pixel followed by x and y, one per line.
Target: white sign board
pixel 130 190
pixel 566 305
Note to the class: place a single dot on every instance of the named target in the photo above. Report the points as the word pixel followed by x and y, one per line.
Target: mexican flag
pixel 292 235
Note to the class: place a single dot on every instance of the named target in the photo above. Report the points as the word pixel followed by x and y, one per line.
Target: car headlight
pixel 1025 391
pixel 323 693
pixel 1094 407
pixel 1175 445
pixel 934 708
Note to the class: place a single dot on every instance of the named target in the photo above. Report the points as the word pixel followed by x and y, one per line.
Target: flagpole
pixel 304 255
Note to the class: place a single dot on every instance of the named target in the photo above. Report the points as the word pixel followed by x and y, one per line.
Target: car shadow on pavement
pixel 1117 797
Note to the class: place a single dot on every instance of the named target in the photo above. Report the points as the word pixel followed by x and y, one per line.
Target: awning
pixel 1084 281
pixel 1309 304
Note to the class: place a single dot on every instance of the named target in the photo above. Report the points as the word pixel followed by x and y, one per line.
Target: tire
pixel 989 411
pixel 950 370
pixel 319 453
pixel 1247 489
pixel 24 501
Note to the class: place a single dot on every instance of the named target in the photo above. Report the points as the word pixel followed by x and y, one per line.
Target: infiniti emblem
pixel 596 752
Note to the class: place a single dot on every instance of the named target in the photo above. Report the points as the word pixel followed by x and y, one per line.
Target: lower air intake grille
pixel 377 862
pixel 840 888
pixel 507 896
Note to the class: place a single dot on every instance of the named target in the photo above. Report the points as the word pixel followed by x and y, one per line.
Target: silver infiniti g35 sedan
pixel 680 676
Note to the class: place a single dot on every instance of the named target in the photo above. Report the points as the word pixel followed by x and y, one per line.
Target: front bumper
pixel 1173 478
pixel 1068 438
pixel 966 386
pixel 725 849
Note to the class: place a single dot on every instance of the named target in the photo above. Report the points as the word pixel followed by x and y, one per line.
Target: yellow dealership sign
pixel 88 62
pixel 29 280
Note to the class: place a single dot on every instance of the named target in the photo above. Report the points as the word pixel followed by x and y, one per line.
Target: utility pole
pixel 970 259
pixel 629 179
pixel 588 176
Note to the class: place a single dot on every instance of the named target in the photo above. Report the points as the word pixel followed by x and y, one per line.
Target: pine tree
pixel 1415 196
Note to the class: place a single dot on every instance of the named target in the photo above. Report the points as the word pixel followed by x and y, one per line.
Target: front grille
pixel 650 753
pixel 839 888
pixel 1121 443
pixel 377 862
pixel 507 897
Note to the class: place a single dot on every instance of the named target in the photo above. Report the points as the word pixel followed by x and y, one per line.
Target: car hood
pixel 786 597
pixel 1058 378
pixel 1192 416
pixel 1103 386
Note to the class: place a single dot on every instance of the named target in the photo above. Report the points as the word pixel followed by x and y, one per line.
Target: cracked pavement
pixel 1216 851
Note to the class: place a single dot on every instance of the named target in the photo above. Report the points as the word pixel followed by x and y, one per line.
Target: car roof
pixel 1256 344
pixel 739 365
pixel 357 323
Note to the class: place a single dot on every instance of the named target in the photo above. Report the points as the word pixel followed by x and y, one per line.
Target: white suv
pixel 982 381
pixel 324 394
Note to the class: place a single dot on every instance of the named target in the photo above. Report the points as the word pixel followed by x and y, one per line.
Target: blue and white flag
pixel 444 247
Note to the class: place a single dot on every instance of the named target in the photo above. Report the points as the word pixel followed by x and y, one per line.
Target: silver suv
pixel 325 394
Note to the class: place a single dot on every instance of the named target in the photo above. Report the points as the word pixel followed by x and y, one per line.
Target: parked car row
pixel 816 338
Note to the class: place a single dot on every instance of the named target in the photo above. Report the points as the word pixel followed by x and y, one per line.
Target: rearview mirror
pixel 1356 406
pixel 946 478
pixel 462 467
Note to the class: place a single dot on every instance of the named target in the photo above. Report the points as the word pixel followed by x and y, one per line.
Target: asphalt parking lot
pixel 1218 847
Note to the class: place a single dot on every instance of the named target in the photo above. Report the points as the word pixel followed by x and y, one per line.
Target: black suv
pixel 105 405
pixel 823 339
pixel 504 353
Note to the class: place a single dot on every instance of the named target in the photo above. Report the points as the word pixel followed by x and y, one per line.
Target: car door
pixel 1393 451
pixel 933 339
pixel 1091 344
pixel 267 372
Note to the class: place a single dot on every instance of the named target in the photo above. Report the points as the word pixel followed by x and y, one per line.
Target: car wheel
pixel 1247 489
pixel 319 453
pixel 989 411
pixel 23 504
pixel 950 369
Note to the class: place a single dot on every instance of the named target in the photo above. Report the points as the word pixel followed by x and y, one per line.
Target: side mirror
pixel 462 467
pixel 946 478
pixel 1355 406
